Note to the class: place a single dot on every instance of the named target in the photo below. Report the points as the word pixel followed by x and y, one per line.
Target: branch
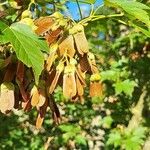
pixel 98 17
pixel 79 9
pixel 137 112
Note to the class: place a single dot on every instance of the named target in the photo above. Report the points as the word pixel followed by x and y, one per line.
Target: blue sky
pixel 74 12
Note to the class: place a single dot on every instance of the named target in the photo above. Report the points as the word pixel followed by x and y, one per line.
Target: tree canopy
pixel 75 74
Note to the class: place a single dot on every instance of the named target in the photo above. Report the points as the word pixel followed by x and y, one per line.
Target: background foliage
pixel 119 119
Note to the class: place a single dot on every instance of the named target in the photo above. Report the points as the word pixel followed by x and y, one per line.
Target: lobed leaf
pixel 26 45
pixel 136 9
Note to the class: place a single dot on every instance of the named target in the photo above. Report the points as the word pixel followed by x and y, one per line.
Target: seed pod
pixel 51 37
pixel 39 121
pixel 81 42
pixel 67 45
pixel 20 71
pixel 69 82
pixel 59 69
pixel 96 89
pixel 92 63
pixel 24 94
pixel 41 115
pixel 55 111
pixel 42 98
pixel 44 24
pixel 79 86
pixel 50 60
pixel 34 96
pixel 81 75
pixel 27 106
pixel 7 99
pixel 84 64
pixel 10 72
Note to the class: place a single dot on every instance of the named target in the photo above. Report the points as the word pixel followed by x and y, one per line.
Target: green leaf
pixel 112 75
pixel 133 8
pixel 26 45
pixel 125 86
pixel 66 136
pixel 107 121
pixel 3 27
pixel 143 30
pixel 114 139
pixel 139 132
pixel 134 139
pixel 81 140
pixel 69 128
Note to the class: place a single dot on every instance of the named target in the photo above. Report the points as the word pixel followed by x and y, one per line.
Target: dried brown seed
pixel 81 75
pixel 42 98
pixel 10 72
pixel 53 36
pixel 50 60
pixel 44 24
pixel 84 64
pixel 67 45
pixel 39 121
pixel 34 96
pixel 81 42
pixel 69 85
pixel 20 71
pixel 92 62
pixel 41 115
pixel 79 86
pixel 54 82
pixel 59 69
pixel 27 106
pixel 55 111
pixel 96 89
pixel 7 99
pixel 24 94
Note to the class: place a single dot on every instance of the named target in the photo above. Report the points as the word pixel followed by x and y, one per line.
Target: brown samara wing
pixel 20 71
pixel 84 64
pixel 81 42
pixel 80 90
pixel 34 96
pixel 43 24
pixel 96 89
pixel 69 85
pixel 52 36
pixel 7 99
pixel 10 72
pixel 67 45
pixel 55 111
pixel 23 92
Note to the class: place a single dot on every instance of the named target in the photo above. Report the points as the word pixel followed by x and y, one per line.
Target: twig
pixel 46 145
pixel 137 112
pixel 98 17
pixel 79 9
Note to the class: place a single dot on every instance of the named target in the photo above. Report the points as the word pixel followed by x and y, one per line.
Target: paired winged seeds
pixel 67 64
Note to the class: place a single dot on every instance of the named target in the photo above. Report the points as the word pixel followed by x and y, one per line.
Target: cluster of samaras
pixel 67 64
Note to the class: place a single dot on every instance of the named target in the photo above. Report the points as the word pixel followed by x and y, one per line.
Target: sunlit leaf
pixel 136 9
pixel 26 45
pixel 125 86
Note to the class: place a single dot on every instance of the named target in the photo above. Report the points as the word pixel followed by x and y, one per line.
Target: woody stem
pixel 97 17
